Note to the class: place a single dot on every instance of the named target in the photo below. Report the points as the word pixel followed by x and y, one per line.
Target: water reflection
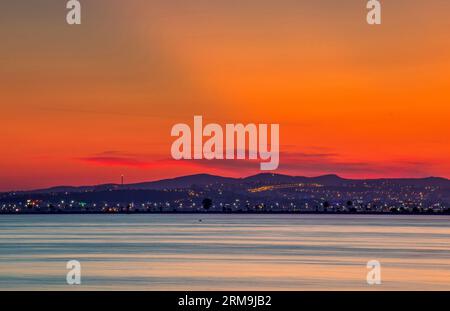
pixel 224 252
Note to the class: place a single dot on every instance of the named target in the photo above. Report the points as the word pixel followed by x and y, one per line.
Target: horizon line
pixel 221 176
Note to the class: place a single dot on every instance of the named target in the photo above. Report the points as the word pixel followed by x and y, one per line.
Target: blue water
pixel 224 252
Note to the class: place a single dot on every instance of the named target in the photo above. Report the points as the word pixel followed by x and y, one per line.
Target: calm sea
pixel 224 252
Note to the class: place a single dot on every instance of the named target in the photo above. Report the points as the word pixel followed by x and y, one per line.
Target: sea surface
pixel 224 252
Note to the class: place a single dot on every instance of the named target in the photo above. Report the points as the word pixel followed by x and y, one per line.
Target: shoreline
pixel 227 213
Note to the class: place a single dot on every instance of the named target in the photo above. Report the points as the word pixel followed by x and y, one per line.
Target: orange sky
pixel 85 104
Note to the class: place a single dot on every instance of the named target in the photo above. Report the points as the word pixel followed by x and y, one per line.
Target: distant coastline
pixel 257 194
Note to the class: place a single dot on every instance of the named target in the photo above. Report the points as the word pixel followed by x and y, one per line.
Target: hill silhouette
pixel 259 179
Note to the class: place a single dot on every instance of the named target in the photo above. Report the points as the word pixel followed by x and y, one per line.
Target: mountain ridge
pixel 261 178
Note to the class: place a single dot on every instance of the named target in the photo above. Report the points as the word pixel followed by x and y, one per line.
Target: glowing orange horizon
pixel 86 104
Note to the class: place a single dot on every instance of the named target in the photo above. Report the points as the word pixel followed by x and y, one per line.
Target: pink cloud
pixel 295 163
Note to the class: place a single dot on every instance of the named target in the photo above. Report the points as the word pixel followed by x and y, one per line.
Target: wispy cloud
pixel 294 163
pixel 116 161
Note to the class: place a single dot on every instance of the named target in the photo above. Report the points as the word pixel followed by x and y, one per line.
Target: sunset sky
pixel 85 104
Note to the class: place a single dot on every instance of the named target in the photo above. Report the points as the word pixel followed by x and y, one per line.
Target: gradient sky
pixel 85 104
